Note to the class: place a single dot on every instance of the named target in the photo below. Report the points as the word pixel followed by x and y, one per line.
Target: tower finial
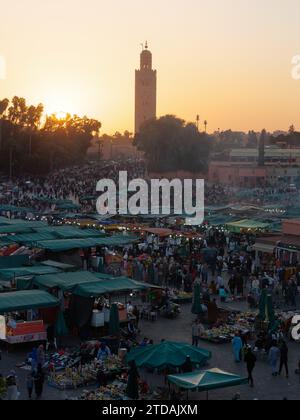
pixel 146 45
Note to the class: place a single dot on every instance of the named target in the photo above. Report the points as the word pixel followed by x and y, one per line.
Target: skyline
pixel 228 61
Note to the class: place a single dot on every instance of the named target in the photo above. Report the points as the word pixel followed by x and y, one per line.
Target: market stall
pixel 206 381
pixel 18 309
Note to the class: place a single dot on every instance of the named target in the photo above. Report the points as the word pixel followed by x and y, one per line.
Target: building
pixel 145 90
pixel 241 168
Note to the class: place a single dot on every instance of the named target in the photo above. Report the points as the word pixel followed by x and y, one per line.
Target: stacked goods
pixel 73 378
pixel 115 391
pixel 183 297
pixel 243 323
pixel 84 375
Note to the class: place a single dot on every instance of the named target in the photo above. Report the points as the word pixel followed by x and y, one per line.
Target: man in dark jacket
pixel 284 353
pixel 250 359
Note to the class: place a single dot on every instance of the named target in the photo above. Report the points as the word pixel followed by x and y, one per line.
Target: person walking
pixel 39 379
pixel 274 356
pixel 30 384
pixel 250 360
pixel 195 333
pixel 237 346
pixel 12 387
pixel 284 353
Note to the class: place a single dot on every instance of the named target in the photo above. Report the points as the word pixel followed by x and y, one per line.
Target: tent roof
pixel 35 270
pixel 69 232
pixel 59 265
pixel 159 232
pixel 65 281
pixel 13 261
pixel 167 354
pixel 26 299
pixel 207 380
pixel 113 285
pixel 247 225
pixel 69 244
pixel 30 238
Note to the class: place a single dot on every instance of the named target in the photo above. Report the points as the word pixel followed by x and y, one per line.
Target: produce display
pixel 84 375
pixel 115 391
pixel 236 323
pixel 183 297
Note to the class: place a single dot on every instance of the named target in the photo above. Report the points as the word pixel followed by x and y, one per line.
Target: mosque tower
pixel 145 90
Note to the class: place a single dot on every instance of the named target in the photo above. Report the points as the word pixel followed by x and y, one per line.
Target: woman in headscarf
pixel 237 346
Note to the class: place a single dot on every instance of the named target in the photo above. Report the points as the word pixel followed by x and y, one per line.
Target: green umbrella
pixel 207 380
pixel 197 307
pixel 61 328
pixel 114 321
pixel 167 354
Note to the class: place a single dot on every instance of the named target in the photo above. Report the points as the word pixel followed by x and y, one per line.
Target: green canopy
pixel 247 225
pixel 197 307
pixel 59 265
pixel 114 285
pixel 70 232
pixel 29 239
pixel 65 281
pixel 167 354
pixel 35 270
pixel 114 321
pixel 70 244
pixel 25 300
pixel 207 380
pixel 21 226
pixel 14 261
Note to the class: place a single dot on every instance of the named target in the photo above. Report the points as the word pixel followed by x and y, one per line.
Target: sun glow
pixel 61 115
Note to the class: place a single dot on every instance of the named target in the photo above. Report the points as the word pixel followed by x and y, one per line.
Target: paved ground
pixel 266 387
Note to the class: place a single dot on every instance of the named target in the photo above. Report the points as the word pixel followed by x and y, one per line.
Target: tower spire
pixel 146 45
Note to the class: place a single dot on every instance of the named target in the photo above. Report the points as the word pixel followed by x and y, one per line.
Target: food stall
pixel 22 322
pixel 225 330
pixel 86 374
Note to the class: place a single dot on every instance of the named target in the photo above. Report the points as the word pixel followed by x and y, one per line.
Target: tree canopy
pixel 171 144
pixel 33 144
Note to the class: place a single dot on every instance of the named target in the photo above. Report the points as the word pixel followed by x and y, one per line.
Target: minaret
pixel 145 90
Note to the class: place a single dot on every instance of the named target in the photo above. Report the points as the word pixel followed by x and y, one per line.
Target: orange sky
pixel 227 60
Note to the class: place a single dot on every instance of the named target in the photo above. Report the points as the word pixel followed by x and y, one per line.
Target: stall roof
pixel 70 232
pixel 159 232
pixel 65 281
pixel 21 226
pixel 35 270
pixel 59 265
pixel 69 244
pixel 31 238
pixel 117 284
pixel 207 380
pixel 26 299
pixel 247 225
pixel 14 261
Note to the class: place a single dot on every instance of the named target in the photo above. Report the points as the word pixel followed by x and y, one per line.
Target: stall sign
pixel 2 328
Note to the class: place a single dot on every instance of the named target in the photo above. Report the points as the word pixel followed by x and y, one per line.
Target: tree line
pixel 171 144
pixel 31 143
